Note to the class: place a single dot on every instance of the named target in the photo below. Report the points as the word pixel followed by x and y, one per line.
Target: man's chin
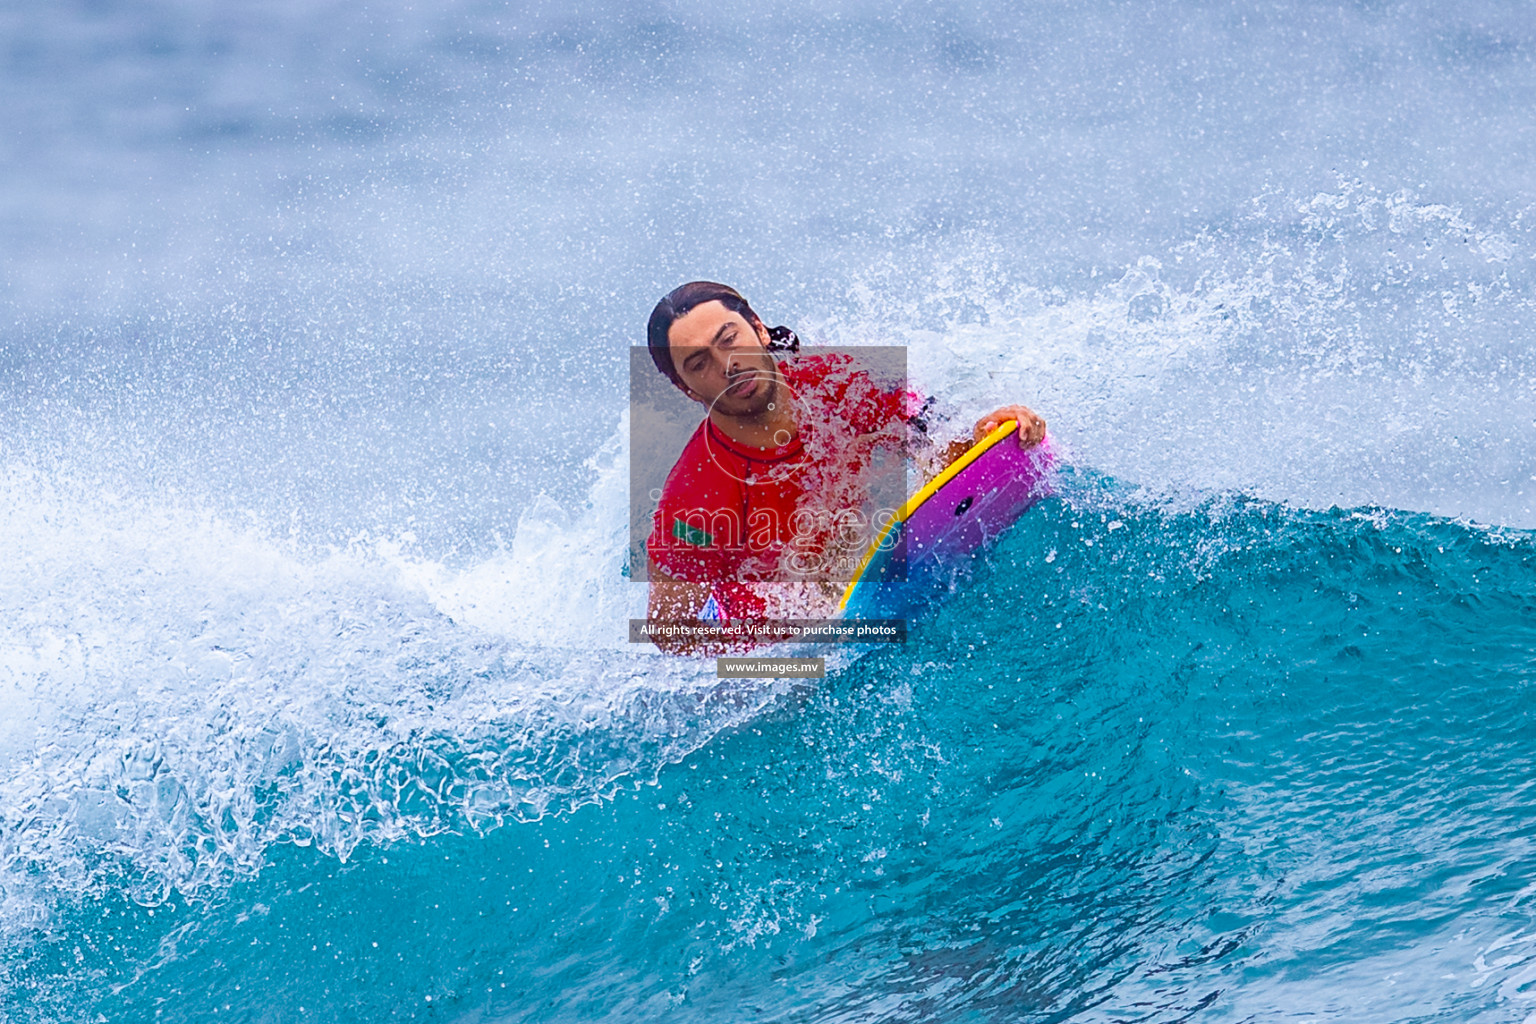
pixel 737 411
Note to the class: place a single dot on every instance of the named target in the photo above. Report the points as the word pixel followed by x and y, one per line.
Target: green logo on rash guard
pixel 690 535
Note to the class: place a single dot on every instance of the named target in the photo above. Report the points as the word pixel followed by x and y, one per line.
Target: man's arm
pixel 674 600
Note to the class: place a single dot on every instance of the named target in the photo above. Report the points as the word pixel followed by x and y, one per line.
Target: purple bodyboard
pixel 944 525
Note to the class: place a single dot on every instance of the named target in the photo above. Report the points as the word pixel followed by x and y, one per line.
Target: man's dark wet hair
pixel 685 298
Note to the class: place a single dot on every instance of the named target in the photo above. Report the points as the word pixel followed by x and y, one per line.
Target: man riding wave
pixel 762 509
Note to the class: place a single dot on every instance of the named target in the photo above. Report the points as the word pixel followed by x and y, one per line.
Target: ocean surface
pixel 315 700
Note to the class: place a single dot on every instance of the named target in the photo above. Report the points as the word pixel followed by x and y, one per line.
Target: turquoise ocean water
pixel 316 700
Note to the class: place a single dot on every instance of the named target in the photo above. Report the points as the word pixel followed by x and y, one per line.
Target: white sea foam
pixel 181 692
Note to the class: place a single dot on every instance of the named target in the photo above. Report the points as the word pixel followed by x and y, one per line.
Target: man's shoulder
pixel 844 373
pixel 860 392
pixel 698 471
pixel 815 367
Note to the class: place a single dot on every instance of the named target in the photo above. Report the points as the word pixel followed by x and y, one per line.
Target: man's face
pixel 723 360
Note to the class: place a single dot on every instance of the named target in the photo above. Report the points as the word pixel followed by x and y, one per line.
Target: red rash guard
pixel 727 513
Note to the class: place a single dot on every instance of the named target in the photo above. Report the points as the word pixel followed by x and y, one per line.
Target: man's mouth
pixel 745 387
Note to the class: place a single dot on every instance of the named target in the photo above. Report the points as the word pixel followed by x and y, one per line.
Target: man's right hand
pixel 674 600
